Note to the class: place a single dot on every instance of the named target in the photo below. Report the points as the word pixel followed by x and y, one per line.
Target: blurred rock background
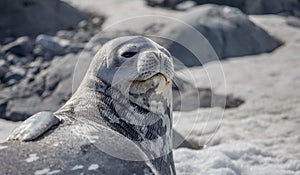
pixel 258 42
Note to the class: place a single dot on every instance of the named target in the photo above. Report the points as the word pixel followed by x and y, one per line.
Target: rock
pixel 7 40
pixel 227 29
pixel 45 65
pixel 17 109
pixel 34 67
pixel 50 44
pixel 293 21
pixel 15 60
pixel 188 97
pixel 36 64
pixel 286 7
pixel 74 48
pixel 14 75
pixel 65 34
pixel 38 51
pixel 6 128
pixel 4 68
pixel 21 47
pixel 47 90
pixel 186 5
pixel 97 21
pixel 82 36
pixel 164 3
pixel 33 71
pixel 35 17
pixel 83 24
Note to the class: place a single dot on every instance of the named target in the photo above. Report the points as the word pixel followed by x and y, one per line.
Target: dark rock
pixel 164 3
pixel 285 7
pixel 2 55
pixel 97 21
pixel 14 75
pixel 33 71
pixel 38 51
pixel 65 34
pixel 3 105
pixel 227 29
pixel 4 68
pixel 21 47
pixel 27 59
pixel 34 68
pixel 45 65
pixel 187 97
pixel 83 24
pixel 50 44
pixel 17 109
pixel 82 36
pixel 15 60
pixel 186 5
pixel 34 17
pixel 293 21
pixel 74 48
pixel 36 64
pixel 8 40
pixel 48 90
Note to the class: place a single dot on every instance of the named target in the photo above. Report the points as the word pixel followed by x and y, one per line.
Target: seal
pixel 120 116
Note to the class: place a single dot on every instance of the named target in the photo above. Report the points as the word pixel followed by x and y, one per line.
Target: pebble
pixel 83 24
pixel 3 68
pixel 50 44
pixel 65 34
pixel 186 5
pixel 21 47
pixel 14 75
pixel 13 59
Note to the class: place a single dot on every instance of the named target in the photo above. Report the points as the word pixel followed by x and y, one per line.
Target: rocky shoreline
pixel 250 126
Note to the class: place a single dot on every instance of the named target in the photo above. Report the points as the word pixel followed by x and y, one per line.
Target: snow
pixel 260 137
pixel 233 159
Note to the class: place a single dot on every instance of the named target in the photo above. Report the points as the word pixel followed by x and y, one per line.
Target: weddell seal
pixel 119 121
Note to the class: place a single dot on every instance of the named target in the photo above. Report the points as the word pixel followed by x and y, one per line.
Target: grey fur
pixel 122 110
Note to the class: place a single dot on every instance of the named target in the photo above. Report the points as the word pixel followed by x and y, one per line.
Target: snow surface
pixel 260 137
pixel 233 159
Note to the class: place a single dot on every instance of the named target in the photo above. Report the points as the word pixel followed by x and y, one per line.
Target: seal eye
pixel 128 54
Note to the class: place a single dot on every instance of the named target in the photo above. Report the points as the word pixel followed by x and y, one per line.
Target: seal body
pixel 119 121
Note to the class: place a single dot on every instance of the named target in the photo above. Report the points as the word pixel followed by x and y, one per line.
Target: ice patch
pixel 93 167
pixel 32 158
pixel 77 167
pixel 46 171
pixel 42 172
pixel 53 172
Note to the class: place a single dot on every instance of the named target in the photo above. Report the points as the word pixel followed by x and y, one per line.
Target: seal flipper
pixel 34 126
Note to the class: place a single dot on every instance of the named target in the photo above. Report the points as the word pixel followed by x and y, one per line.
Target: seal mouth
pixel 167 80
